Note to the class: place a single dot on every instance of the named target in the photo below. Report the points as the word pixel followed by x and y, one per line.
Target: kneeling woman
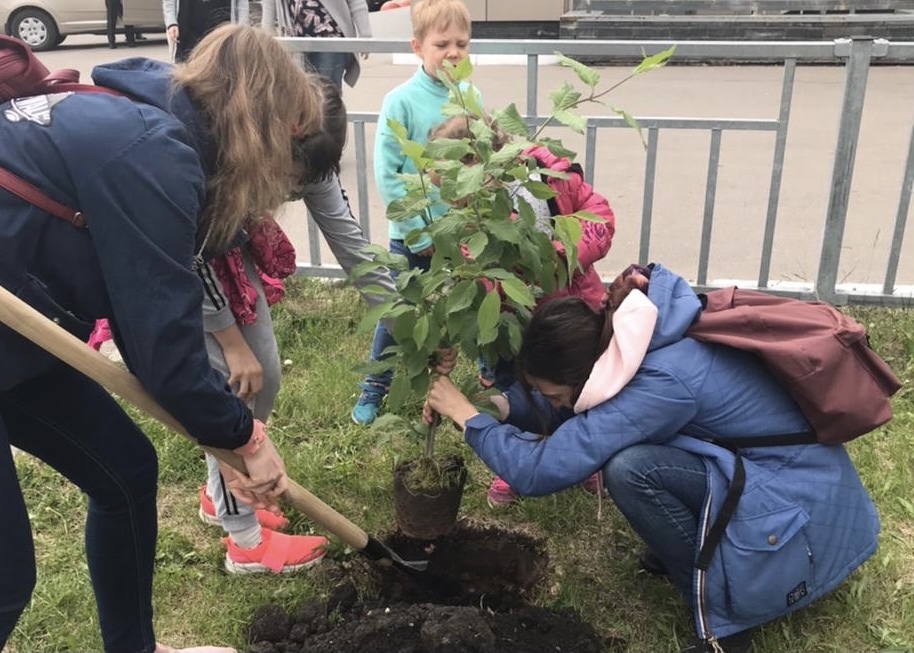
pixel 628 393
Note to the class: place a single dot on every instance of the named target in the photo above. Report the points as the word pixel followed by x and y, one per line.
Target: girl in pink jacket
pixel 572 195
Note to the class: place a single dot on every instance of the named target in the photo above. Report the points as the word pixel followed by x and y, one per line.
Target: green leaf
pixel 376 290
pixel 540 190
pixel 564 97
pixel 503 229
pixel 403 327
pixel 390 422
pixel 497 273
pixel 630 121
pixel 462 325
pixel 463 70
pixel 398 130
pixel 585 73
pixel 515 332
pixel 487 319
pixel 420 333
pixel 469 180
pixel 433 280
pixel 556 148
pixel 450 109
pixel 502 206
pixel 477 243
pixel 549 172
pixel 416 361
pixel 372 367
pixel 462 296
pixel 408 207
pixel 414 152
pixel 471 97
pixel 415 236
pixel 586 216
pixel 448 148
pixel 572 120
pixel 517 291
pixel 420 383
pixel 364 269
pixel 654 61
pixel 510 121
pixel 398 393
pixel 507 154
pixel 374 314
pixel 568 229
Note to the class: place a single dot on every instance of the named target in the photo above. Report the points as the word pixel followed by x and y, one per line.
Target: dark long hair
pixel 563 341
pixel 320 152
pixel 566 337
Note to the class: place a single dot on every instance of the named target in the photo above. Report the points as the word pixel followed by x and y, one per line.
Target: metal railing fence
pixel 856 55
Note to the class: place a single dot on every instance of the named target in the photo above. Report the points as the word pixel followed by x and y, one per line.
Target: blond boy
pixel 441 32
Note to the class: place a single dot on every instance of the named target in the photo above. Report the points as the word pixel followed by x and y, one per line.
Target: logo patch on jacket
pixel 796 594
pixel 34 109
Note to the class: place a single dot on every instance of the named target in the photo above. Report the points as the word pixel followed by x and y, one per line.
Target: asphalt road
pixel 745 164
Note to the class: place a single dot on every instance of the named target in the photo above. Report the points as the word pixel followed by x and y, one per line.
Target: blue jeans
pixel 501 376
pixel 73 425
pixel 331 65
pixel 379 383
pixel 661 491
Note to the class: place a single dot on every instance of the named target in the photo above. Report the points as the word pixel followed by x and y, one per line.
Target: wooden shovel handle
pixel 25 320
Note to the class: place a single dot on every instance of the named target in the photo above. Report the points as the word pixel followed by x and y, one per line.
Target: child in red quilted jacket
pixel 572 195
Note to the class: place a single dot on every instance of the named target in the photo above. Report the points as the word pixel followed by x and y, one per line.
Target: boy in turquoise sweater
pixel 441 32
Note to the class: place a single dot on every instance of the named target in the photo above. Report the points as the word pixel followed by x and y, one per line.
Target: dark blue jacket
pixel 136 169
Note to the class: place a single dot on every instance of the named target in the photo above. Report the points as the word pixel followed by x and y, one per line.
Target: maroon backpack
pixel 22 75
pixel 821 356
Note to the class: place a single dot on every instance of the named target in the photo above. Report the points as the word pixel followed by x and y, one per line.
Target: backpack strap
pixel 67 85
pixel 60 81
pixel 782 440
pixel 26 191
pixel 738 483
pixel 734 492
pixel 62 75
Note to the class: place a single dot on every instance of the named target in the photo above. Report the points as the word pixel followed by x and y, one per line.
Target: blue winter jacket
pixel 804 521
pixel 136 169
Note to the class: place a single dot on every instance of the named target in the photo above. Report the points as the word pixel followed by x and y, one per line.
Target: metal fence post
pixel 859 51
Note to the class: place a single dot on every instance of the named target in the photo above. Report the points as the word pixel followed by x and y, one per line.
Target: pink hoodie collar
pixel 633 326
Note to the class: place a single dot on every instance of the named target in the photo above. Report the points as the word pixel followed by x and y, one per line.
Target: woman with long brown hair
pixel 164 172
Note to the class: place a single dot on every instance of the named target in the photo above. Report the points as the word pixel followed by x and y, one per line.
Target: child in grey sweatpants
pixel 247 550
pixel 248 354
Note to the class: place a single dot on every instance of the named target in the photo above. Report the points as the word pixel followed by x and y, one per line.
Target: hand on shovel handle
pixel 34 326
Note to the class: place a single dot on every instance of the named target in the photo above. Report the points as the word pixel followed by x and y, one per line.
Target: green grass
pixel 594 560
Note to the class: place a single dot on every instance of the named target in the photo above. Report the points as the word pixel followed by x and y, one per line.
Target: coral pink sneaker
pixel 265 518
pixel 594 485
pixel 277 552
pixel 500 494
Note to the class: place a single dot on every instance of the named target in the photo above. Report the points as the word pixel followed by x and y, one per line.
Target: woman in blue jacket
pixel 626 392
pixel 163 173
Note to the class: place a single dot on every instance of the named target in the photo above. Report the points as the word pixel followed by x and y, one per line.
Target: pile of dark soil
pixel 471 600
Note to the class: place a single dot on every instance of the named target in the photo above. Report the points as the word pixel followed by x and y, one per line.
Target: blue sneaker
pixel 368 406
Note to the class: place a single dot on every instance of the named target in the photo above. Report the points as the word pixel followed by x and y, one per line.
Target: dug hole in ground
pixel 475 599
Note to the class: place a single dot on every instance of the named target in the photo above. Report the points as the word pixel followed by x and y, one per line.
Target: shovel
pixel 25 320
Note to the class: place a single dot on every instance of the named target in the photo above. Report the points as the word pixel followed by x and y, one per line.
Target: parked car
pixel 44 24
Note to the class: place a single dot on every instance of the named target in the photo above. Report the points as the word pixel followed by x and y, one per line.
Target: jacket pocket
pixel 768 563
pixel 22 359
pixel 37 294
